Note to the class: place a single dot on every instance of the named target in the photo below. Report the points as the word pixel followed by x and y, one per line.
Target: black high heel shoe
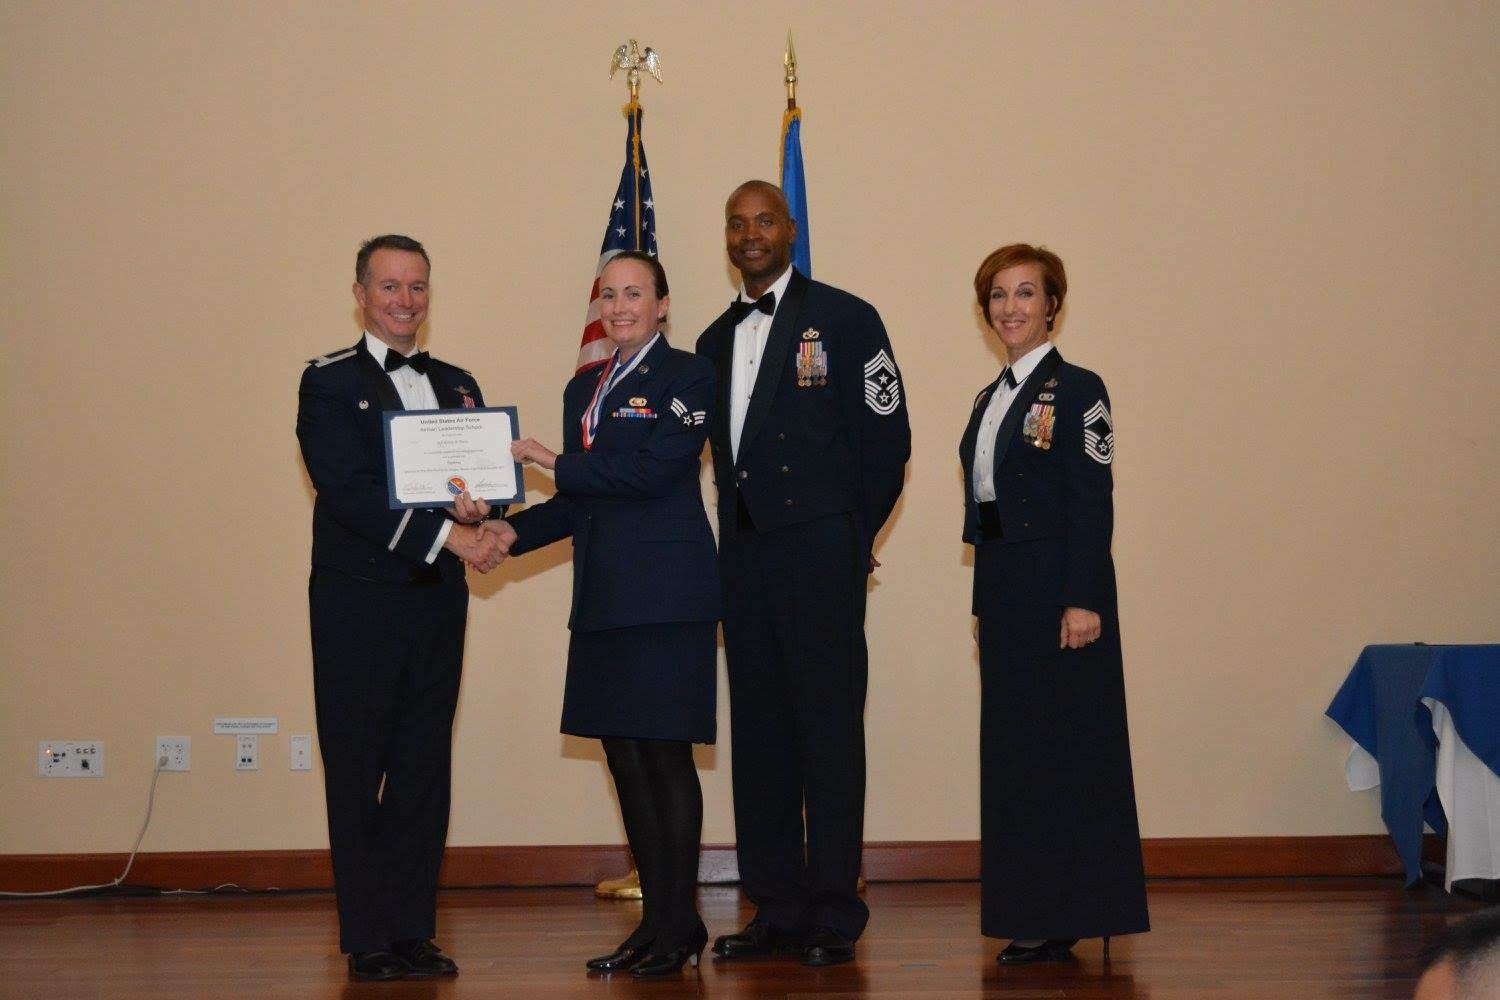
pixel 1051 950
pixel 671 963
pixel 1106 948
pixel 621 958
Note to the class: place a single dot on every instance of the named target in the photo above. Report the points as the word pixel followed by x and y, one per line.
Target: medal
pixel 1038 423
pixel 812 362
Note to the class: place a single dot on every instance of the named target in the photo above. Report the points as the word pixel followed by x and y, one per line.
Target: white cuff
pixel 437 544
pixel 405 519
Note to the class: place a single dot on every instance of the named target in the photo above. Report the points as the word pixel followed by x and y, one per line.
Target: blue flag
pixel 794 183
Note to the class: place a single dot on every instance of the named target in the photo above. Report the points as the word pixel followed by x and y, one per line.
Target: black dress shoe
pixel 670 963
pixel 1047 951
pixel 757 940
pixel 424 958
pixel 621 958
pixel 826 946
pixel 377 966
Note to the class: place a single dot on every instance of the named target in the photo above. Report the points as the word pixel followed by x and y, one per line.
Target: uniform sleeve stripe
pixel 1096 412
pixel 399 529
pixel 880 360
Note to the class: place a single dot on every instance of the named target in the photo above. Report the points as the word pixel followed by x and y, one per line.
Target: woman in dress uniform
pixel 1061 847
pixel 642 657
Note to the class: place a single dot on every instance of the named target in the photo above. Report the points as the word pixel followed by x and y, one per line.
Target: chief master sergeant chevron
pixel 388 604
pixel 810 440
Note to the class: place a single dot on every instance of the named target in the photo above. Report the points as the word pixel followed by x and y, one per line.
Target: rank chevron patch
pixel 882 384
pixel 688 418
pixel 1099 434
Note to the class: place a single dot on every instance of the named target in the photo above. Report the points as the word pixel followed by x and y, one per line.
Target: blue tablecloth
pixel 1467 680
pixel 1377 706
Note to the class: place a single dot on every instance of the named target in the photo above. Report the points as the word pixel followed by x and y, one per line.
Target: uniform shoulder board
pixel 329 359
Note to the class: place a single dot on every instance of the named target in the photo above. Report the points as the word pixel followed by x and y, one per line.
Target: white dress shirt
pixel 994 414
pixel 750 338
pixel 416 393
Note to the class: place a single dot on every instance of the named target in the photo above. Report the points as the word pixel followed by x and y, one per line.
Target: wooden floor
pixel 1283 939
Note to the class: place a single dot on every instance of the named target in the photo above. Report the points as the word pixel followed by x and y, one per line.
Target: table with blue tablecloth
pixel 1425 721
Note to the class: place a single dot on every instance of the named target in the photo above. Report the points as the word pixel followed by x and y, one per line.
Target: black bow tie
pixel 1009 377
pixel 417 361
pixel 739 309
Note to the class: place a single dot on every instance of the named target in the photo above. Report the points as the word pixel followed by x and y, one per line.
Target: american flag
pixel 632 226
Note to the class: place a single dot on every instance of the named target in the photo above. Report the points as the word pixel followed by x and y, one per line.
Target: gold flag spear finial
pixel 789 60
pixel 631 59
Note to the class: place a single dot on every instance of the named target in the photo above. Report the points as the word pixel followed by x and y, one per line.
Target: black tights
pixel 662 806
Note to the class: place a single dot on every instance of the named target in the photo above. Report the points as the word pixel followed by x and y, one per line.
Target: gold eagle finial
pixel 632 60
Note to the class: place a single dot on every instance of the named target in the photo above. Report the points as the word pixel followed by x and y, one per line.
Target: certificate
pixel 431 456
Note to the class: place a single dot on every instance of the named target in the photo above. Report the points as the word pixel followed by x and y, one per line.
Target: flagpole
pixel 633 111
pixel 631 207
pixel 793 177
pixel 789 60
pixel 631 59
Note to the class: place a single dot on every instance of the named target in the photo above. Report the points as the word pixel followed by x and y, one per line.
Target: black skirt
pixel 654 682
pixel 1060 844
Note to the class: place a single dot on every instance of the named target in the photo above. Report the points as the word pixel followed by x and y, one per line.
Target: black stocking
pixel 662 806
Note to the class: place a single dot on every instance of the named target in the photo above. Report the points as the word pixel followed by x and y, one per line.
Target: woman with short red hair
pixel 1061 852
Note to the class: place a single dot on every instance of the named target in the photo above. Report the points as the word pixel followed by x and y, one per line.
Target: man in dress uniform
pixel 388 604
pixel 810 440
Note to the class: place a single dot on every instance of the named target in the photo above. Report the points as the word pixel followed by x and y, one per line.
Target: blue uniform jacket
pixel 342 433
pixel 827 430
pixel 643 552
pixel 1053 484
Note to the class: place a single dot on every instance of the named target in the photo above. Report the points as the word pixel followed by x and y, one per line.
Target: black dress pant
pixel 795 644
pixel 386 665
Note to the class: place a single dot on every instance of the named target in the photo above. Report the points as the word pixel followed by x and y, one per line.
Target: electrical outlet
pixel 176 749
pixel 301 752
pixel 70 759
pixel 247 753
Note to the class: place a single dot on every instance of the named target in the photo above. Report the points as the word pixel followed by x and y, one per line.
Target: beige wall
pixel 1279 220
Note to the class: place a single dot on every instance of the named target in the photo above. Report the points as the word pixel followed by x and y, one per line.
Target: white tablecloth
pixel 1470 793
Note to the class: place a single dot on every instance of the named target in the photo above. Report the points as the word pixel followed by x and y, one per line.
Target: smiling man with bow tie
pixel 810 441
pixel 388 605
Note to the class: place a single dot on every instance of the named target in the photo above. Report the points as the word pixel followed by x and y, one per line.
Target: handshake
pixel 480 543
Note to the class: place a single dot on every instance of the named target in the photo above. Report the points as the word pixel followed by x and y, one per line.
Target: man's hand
pixel 503 532
pixel 467 510
pixel 475 546
pixel 1079 628
pixel 530 450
